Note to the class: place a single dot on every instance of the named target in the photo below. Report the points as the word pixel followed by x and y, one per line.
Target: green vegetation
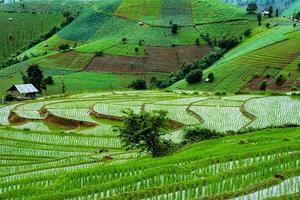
pixel 19 31
pixel 86 159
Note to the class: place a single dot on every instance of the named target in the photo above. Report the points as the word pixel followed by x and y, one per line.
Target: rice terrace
pixel 149 99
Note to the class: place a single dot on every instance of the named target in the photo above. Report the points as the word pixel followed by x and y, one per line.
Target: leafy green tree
pixel 34 75
pixel 277 13
pixel 144 131
pixel 297 16
pixel 174 29
pixel 280 79
pixel 247 32
pixel 259 18
pixel 194 76
pixel 271 10
pixel 251 8
pixel 211 77
pixel 49 80
pixel 64 47
pixel 263 86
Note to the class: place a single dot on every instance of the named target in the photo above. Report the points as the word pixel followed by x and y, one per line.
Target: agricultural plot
pixel 177 12
pixel 113 109
pixel 35 154
pixel 18 30
pixel 177 113
pixel 208 11
pixel 274 111
pixel 226 169
pixel 147 10
pixel 84 26
pixel 34 126
pixel 221 118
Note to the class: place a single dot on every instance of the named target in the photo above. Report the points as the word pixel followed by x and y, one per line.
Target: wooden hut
pixel 23 91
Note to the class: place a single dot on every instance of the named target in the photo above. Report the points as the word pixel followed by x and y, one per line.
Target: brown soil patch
pixel 157 59
pixel 13 118
pixel 288 85
pixel 66 123
pixel 103 116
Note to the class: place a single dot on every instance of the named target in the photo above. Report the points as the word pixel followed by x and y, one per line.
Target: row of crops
pixel 226 169
pixel 88 162
pixel 229 113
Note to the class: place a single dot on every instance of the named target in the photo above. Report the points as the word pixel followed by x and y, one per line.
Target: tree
pixel 143 131
pixel 299 65
pixel 34 75
pixel 174 29
pixel 263 86
pixel 277 13
pixel 64 47
pixel 49 80
pixel 211 77
pixel 63 87
pixel 270 9
pixel 247 32
pixel 139 84
pixel 194 76
pixel 259 18
pixel 297 16
pixel 251 8
pixel 280 79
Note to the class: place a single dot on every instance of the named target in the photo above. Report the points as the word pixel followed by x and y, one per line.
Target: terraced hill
pixel 127 36
pixel 66 146
pixel 261 58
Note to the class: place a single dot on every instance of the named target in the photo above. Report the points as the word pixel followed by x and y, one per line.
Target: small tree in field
pixel 174 29
pixel 35 76
pixel 259 18
pixel 251 8
pixel 194 76
pixel 143 131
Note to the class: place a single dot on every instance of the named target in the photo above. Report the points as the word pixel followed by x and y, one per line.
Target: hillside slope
pixel 261 58
pixel 130 36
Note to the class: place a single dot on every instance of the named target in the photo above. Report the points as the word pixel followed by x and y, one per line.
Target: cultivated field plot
pixel 17 30
pixel 73 137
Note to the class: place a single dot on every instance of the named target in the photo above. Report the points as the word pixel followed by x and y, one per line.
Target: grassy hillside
pixel 262 57
pixel 60 145
pixel 18 30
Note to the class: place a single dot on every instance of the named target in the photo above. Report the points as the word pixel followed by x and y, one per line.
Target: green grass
pixel 24 28
pixel 93 81
pixel 259 55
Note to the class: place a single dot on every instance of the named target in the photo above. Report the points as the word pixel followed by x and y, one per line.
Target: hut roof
pixel 24 88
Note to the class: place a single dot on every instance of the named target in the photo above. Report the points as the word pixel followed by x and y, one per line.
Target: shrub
pixel 299 65
pixel 174 29
pixel 49 80
pixel 263 86
pixel 211 77
pixel 138 85
pixel 99 53
pixel 251 8
pixel 194 76
pixel 196 134
pixel 9 98
pixel 280 80
pixel 268 25
pixel 247 32
pixel 64 47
